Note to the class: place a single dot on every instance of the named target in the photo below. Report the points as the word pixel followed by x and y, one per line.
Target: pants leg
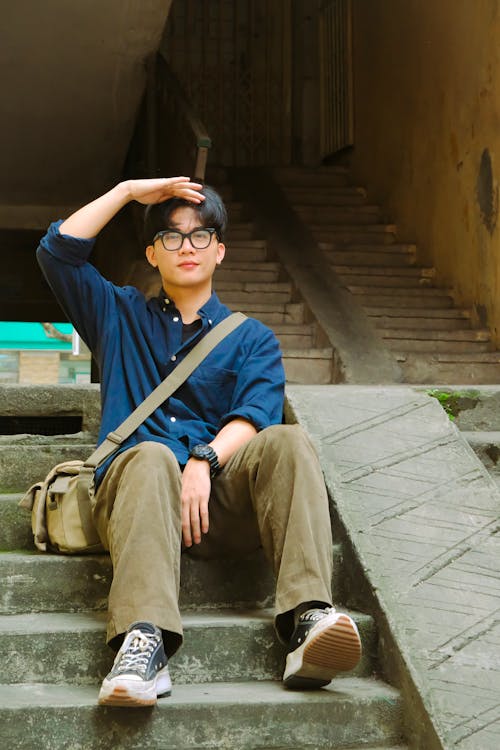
pixel 272 489
pixel 138 516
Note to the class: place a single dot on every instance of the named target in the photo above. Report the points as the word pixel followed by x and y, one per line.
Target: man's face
pixel 187 267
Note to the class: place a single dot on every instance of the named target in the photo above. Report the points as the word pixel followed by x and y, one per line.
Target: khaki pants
pixel 270 494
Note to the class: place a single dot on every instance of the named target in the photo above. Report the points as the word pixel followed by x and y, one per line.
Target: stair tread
pixel 310 353
pixel 53 622
pixel 366 247
pixel 239 243
pixel 254 286
pixel 242 265
pixel 354 228
pixel 492 358
pixel 402 271
pixel 414 292
pixel 417 312
pixel 355 690
pixel 467 334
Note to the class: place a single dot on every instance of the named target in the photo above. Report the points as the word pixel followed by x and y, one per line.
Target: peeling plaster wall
pixel 72 80
pixel 427 140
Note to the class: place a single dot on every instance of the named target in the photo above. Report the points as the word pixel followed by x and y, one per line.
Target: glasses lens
pixel 171 240
pixel 200 238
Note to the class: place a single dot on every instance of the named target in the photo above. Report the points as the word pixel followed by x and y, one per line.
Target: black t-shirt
pixel 189 329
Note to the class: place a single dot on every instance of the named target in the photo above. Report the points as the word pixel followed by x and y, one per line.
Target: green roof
pixel 21 336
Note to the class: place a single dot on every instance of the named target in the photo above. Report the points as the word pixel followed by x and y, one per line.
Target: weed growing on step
pixel 453 402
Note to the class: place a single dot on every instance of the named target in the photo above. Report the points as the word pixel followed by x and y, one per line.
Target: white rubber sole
pixel 133 692
pixel 331 646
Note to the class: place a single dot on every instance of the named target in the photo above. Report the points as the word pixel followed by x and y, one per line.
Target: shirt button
pixel 173 419
pixel 209 321
pixel 166 301
pixel 173 358
pixel 176 319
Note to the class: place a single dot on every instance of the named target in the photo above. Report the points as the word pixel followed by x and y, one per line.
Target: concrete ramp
pixel 421 514
pixel 72 79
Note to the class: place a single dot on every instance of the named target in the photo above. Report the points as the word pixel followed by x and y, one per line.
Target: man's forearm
pixel 232 436
pixel 88 221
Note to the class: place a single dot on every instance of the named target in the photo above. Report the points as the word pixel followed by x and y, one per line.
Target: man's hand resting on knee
pixel 196 483
pixel 195 495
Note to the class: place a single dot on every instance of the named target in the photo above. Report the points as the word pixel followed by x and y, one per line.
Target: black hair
pixel 212 213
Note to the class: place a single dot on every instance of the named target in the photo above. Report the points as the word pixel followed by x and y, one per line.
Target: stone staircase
pixel 430 336
pixel 252 281
pixel 227 690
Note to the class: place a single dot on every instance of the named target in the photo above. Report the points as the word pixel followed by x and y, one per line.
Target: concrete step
pixel 39 582
pixel 486 446
pixel 22 464
pixel 272 313
pixel 301 177
pixel 222 646
pixel 319 215
pixel 292 336
pixel 418 324
pixel 385 272
pixel 386 281
pixel 419 319
pixel 370 254
pixel 240 292
pixel 240 231
pixel 470 335
pixel 231 270
pixel 328 196
pixel 450 367
pixel 373 228
pixel 344 238
pixel 15 527
pixel 246 250
pixel 246 716
pixel 435 346
pixel 309 366
pixel 390 299
pixel 414 296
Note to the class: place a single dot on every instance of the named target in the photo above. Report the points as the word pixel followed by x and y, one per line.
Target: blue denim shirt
pixel 138 342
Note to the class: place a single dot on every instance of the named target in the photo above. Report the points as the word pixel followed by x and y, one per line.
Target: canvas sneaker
pixel 324 642
pixel 140 672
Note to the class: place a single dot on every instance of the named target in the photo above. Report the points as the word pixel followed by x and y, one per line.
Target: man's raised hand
pixel 160 189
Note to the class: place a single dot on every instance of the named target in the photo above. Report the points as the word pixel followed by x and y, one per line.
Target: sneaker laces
pixel 315 614
pixel 135 652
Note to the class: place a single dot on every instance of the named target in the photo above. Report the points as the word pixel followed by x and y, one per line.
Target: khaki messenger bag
pixel 61 504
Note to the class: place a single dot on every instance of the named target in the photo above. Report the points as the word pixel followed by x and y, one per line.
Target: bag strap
pixel 160 394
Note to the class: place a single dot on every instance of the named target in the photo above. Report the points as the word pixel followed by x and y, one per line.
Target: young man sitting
pixel 213 471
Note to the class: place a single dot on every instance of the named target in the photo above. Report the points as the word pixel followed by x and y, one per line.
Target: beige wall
pixel 72 80
pixel 427 104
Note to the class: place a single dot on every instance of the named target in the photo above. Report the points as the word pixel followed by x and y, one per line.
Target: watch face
pixel 202 451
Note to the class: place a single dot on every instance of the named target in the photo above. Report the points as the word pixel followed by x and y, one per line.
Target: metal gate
pixel 336 97
pixel 233 58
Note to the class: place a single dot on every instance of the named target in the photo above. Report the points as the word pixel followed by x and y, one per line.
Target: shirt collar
pixel 211 310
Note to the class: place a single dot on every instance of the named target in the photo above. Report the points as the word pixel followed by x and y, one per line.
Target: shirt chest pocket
pixel 211 392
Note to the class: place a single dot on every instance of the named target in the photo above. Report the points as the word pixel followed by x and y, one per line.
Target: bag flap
pixel 28 499
pixel 60 484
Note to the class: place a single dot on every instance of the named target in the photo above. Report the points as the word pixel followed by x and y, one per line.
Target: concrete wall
pixel 427 107
pixel 72 79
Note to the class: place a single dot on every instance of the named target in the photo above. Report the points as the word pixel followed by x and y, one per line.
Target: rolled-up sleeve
pixel 258 396
pixel 85 296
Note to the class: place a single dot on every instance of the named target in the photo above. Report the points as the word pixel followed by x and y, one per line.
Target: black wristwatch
pixel 204 452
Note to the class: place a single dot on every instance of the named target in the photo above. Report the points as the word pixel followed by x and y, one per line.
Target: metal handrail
pixel 166 95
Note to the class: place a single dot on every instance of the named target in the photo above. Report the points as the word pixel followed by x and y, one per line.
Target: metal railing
pixel 178 141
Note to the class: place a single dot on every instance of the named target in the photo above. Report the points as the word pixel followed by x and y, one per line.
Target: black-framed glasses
pixel 199 238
